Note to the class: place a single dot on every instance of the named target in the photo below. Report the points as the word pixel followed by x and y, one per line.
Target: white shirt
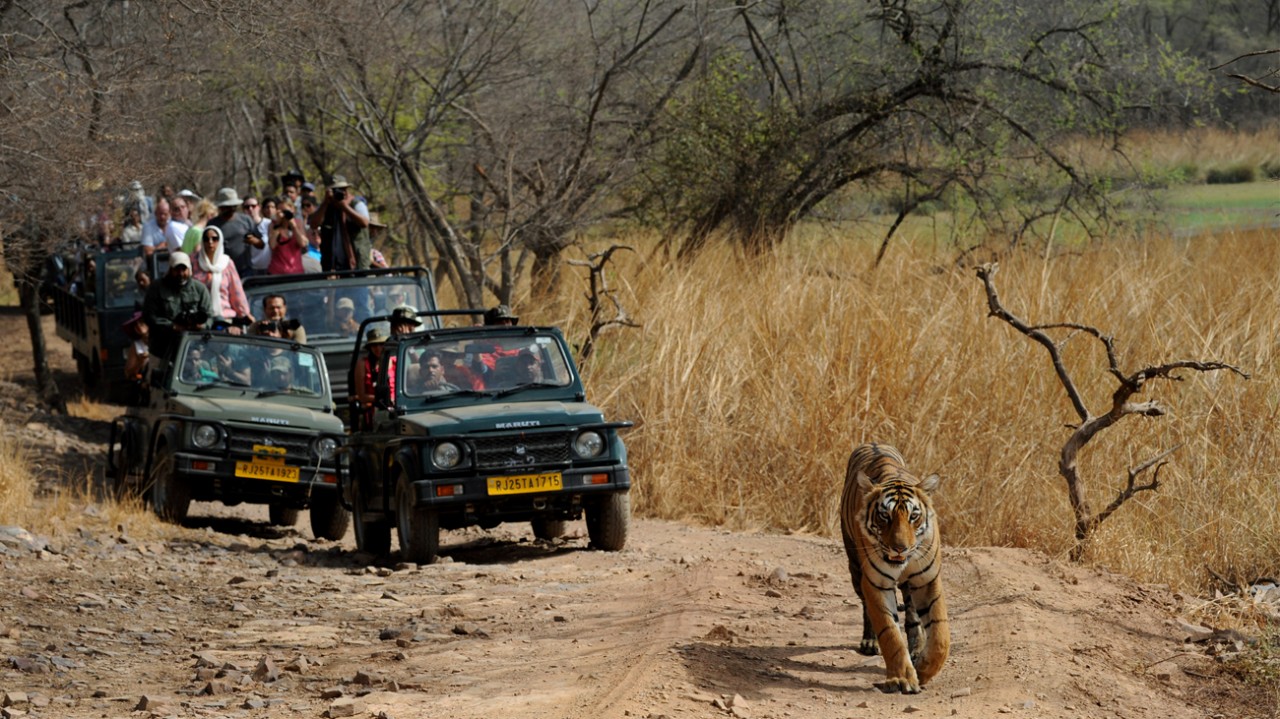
pixel 260 258
pixel 173 234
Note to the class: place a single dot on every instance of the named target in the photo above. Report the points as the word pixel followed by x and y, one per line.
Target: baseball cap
pixel 179 258
pixel 346 303
pixel 406 313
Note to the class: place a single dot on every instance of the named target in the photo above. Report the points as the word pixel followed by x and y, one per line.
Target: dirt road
pixel 233 618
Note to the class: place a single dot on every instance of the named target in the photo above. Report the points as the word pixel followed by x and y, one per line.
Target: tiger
pixel 891 538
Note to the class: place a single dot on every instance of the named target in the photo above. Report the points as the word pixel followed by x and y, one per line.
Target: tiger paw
pixel 869 647
pixel 895 685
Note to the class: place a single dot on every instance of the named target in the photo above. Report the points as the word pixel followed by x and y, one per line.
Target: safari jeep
pixel 235 419
pixel 480 426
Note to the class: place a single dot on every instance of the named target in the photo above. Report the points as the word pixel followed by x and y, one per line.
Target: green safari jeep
pixel 235 418
pixel 480 426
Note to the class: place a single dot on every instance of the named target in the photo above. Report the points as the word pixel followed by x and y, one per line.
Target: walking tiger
pixel 891 537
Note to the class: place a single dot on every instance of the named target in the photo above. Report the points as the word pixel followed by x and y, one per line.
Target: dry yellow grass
pixel 751 381
pixel 74 504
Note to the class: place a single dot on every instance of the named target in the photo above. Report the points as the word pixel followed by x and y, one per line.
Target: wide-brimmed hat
pixel 406 313
pixel 227 197
pixel 375 221
pixel 179 258
pixel 374 338
pixel 501 312
pixel 130 326
pixel 337 182
pixel 188 194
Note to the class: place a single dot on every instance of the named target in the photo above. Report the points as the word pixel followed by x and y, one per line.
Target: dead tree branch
pixel 598 291
pixel 1122 404
pixel 1254 81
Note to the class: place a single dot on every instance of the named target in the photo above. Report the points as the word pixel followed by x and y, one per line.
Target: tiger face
pixel 897 513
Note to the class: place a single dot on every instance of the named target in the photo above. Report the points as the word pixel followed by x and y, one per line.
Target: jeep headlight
pixel 325 447
pixel 589 444
pixel 446 455
pixel 205 436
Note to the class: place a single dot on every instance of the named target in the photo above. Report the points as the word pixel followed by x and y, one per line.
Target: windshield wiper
pixel 526 385
pixel 291 390
pixel 221 383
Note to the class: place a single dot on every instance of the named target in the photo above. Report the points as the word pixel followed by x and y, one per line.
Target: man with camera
pixel 273 314
pixel 175 304
pixel 343 219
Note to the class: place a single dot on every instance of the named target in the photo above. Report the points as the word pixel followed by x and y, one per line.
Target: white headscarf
pixel 214 267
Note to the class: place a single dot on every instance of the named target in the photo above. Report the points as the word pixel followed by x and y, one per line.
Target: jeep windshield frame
pixel 313 298
pixel 481 362
pixel 266 368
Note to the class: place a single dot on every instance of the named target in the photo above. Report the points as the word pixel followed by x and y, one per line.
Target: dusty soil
pixel 230 617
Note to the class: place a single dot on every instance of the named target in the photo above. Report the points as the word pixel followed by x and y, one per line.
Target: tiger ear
pixel 864 482
pixel 930 483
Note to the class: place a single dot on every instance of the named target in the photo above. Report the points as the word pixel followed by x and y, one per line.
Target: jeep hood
pixel 248 410
pixel 501 416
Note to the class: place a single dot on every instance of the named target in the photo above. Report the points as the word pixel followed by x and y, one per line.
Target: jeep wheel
pixel 372 535
pixel 282 516
pixel 170 494
pixel 328 519
pixel 607 521
pixel 544 528
pixel 117 485
pixel 418 527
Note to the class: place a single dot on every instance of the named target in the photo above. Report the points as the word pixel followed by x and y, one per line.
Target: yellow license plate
pixel 526 483
pixel 275 472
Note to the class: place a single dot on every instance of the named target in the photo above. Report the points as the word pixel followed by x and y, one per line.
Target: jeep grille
pixel 522 450
pixel 296 447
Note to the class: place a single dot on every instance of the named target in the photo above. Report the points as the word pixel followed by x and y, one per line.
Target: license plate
pixel 526 483
pixel 274 472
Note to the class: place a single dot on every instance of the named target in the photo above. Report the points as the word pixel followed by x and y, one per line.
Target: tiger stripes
pixel 891 538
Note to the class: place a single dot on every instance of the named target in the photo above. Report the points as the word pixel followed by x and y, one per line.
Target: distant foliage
pixel 1231 174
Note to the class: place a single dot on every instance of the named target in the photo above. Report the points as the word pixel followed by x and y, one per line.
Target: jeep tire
pixel 607 521
pixel 547 528
pixel 328 519
pixel 418 527
pixel 170 493
pixel 282 516
pixel 372 535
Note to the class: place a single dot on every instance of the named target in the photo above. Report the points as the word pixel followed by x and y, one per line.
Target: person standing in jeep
pixel 239 231
pixel 174 304
pixel 343 220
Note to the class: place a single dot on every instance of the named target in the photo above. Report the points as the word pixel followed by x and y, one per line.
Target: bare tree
pixel 958 100
pixel 1122 404
pixel 77 80
pixel 598 291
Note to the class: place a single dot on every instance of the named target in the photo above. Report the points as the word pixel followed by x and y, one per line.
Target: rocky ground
pixel 230 617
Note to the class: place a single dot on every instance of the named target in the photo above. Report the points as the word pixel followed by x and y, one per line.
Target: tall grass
pixel 751 381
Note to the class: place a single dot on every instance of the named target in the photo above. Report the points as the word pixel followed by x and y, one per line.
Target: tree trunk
pixel 46 388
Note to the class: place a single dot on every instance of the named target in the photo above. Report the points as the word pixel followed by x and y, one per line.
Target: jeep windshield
pixel 482 364
pixel 254 367
pixel 335 311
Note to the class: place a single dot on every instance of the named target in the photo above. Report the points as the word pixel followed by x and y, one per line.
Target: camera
pixel 288 215
pixel 340 194
pixel 191 318
pixel 221 324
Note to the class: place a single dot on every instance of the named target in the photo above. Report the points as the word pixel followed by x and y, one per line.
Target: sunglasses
pixel 248 206
pixel 211 240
